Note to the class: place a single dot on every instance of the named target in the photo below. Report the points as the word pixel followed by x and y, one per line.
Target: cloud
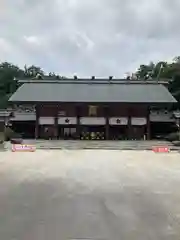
pixel 34 40
pixel 89 37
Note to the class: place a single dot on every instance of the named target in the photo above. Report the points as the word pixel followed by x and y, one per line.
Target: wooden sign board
pixel 23 148
pixel 161 149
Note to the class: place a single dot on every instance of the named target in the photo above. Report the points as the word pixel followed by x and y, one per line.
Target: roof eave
pixel 120 102
pixel 95 81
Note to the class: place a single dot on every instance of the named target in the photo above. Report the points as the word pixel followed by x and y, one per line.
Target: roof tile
pixel 72 92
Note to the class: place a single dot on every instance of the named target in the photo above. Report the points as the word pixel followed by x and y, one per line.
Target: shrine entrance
pixel 92 133
pixel 118 132
pixel 47 132
pixel 138 132
pixel 67 132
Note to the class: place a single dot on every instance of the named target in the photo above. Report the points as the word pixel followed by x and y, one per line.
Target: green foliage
pixel 160 70
pixel 173 136
pixel 8 84
pixel 32 71
pixel 2 138
pixel 165 71
pixel 8 133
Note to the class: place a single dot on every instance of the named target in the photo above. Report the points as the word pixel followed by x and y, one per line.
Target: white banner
pixel 93 121
pixel 67 120
pixel 118 121
pixel 46 120
pixel 138 121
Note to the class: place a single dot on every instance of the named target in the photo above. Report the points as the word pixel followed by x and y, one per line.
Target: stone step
pixel 124 145
pixel 111 145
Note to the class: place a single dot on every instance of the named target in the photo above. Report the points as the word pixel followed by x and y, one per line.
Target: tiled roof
pixel 92 91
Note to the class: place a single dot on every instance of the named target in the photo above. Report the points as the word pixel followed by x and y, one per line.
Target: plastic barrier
pixel 23 148
pixel 161 149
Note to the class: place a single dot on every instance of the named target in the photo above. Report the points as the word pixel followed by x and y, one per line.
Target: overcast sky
pixel 89 37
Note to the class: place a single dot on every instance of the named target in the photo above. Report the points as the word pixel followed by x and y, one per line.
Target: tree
pixel 8 74
pixel 32 71
pixel 163 70
pixel 152 70
pixel 145 70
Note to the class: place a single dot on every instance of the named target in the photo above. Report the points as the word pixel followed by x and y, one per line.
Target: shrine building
pixel 99 109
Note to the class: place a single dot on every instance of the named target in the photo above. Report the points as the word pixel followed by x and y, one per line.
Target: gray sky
pixel 89 37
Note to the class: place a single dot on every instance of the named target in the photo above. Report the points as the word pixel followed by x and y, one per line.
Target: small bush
pixel 173 136
pixel 10 134
pixel 2 137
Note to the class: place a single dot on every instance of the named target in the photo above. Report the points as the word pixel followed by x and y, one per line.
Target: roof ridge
pixel 90 81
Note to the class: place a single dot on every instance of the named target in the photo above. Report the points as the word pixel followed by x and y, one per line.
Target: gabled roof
pixel 92 91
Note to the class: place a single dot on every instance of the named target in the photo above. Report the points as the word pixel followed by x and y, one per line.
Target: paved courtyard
pixel 89 194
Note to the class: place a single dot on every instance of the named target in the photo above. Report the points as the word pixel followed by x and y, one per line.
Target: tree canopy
pixel 8 73
pixel 161 70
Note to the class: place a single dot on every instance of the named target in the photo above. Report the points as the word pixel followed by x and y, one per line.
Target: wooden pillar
pixel 129 125
pixel 78 127
pixel 56 122
pixel 107 122
pixel 37 123
pixel 148 125
pixel 107 128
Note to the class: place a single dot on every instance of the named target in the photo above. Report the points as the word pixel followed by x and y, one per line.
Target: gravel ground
pixel 89 194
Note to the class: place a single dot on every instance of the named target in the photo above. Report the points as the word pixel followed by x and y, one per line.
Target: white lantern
pixel 177 113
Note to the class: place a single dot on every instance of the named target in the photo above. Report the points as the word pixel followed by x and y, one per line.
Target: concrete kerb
pixel 7 146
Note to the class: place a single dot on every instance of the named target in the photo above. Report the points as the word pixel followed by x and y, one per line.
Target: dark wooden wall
pixel 114 109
